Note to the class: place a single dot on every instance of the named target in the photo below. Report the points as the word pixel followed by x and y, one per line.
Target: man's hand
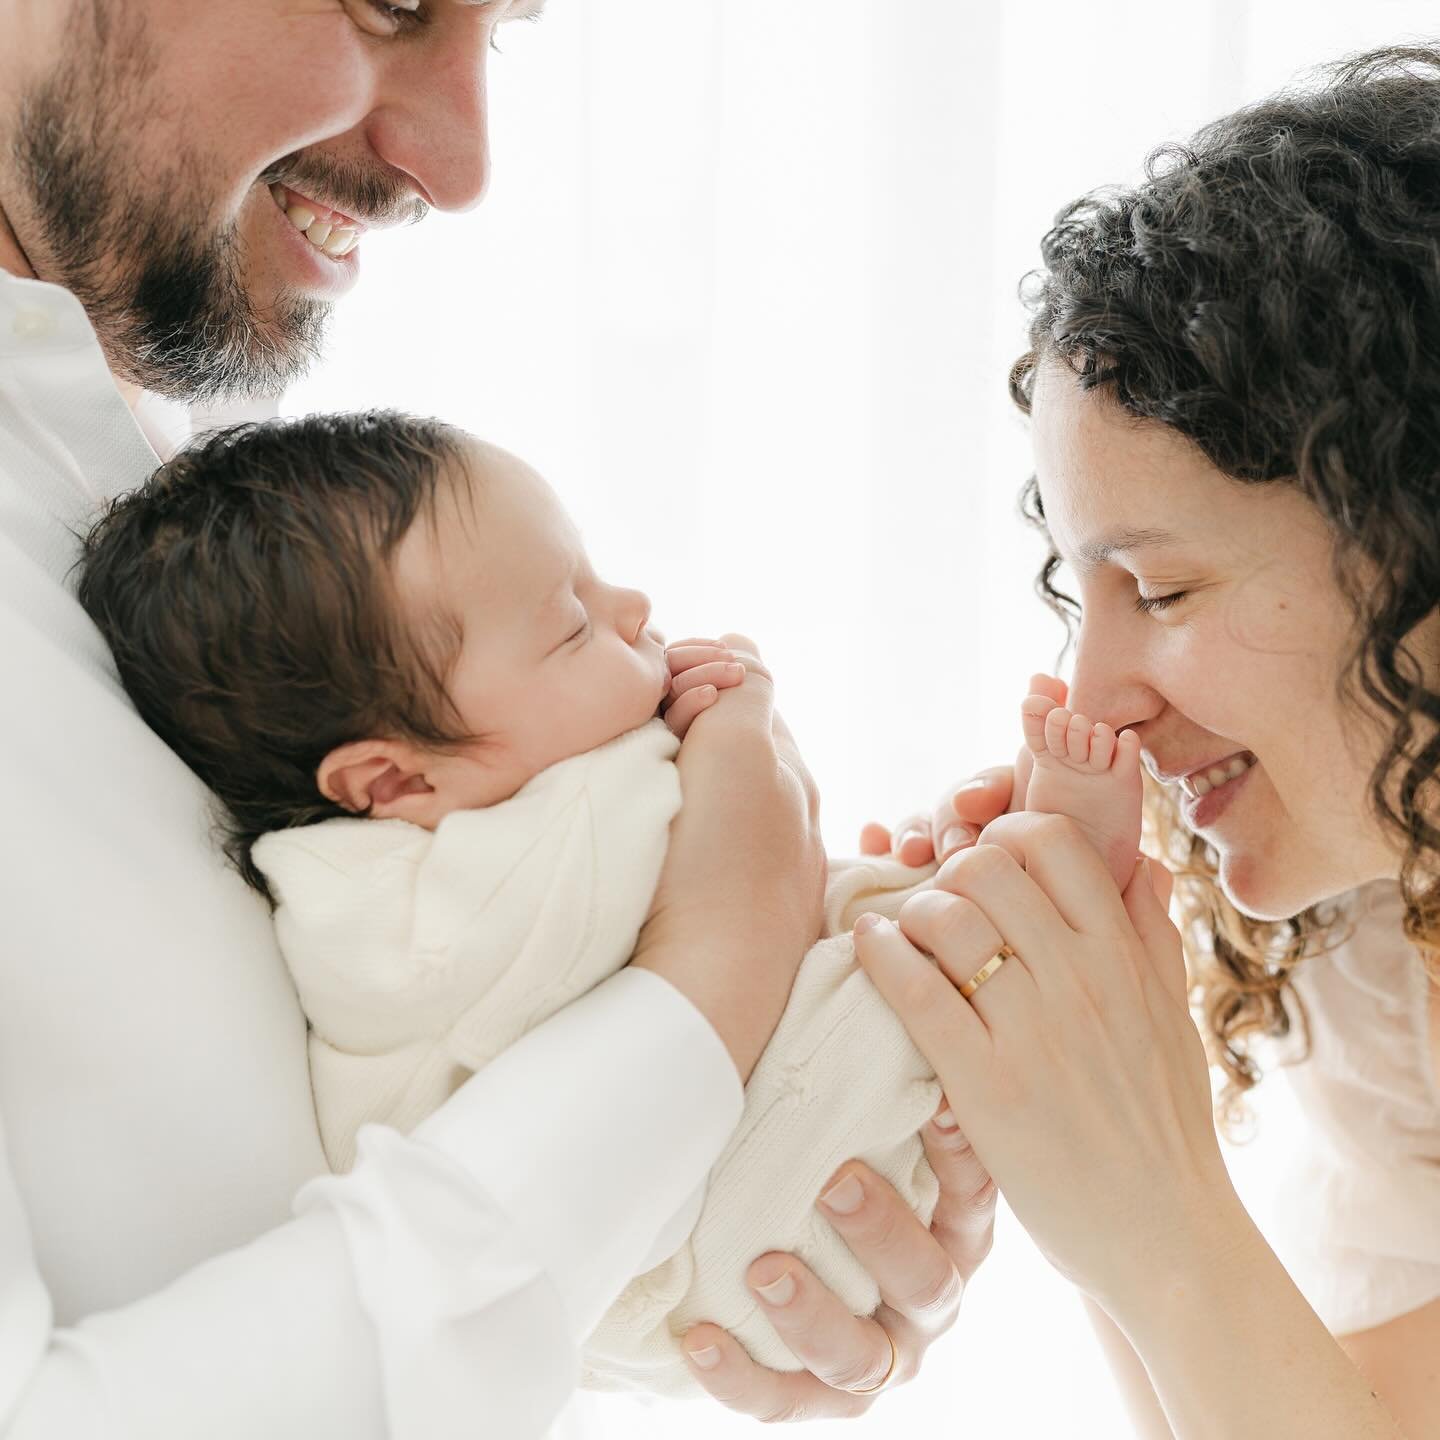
pixel 921 1274
pixel 699 671
pixel 742 894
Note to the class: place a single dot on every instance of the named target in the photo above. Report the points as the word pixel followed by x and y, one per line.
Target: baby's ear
pixel 384 779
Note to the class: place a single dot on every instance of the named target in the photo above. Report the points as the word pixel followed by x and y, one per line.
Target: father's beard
pixel 163 289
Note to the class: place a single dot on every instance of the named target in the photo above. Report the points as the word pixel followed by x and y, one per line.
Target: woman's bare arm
pixel 1141 1403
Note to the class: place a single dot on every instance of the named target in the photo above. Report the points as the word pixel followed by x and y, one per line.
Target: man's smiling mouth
pixel 329 231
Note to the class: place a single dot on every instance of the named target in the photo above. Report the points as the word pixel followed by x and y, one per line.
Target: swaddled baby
pixel 439 739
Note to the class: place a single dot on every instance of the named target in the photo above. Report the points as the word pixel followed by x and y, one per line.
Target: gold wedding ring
pixel 1003 954
pixel 884 1380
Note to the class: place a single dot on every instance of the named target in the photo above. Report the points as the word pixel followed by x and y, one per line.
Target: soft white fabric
pixel 420 956
pixel 1358 1218
pixel 156 1119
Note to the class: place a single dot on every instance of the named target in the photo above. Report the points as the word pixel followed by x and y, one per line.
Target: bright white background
pixel 744 290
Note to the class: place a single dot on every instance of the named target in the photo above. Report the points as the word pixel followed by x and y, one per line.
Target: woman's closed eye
pixel 1152 603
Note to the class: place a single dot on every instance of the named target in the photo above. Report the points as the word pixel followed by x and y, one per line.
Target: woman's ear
pixel 384 779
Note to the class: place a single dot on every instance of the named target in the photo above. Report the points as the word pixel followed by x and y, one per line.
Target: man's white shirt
pixel 158 1276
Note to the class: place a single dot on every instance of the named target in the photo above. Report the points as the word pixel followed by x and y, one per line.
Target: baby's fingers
pixel 721 674
pixel 686 654
pixel 680 714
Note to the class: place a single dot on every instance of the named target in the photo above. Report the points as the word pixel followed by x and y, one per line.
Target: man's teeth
pixel 323 234
pixel 1203 782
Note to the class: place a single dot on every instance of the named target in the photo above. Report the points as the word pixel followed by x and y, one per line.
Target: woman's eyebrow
pixel 1094 554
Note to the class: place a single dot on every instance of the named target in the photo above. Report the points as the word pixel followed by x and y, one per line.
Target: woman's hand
pixel 963 810
pixel 741 895
pixel 1076 1070
pixel 921 1274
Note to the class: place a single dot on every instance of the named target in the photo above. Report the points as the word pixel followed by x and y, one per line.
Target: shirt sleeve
pixel 440 1289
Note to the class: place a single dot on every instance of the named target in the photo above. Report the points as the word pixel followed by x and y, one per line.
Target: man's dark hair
pixel 246 593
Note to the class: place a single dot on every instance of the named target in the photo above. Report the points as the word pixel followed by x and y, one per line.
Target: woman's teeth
pixel 1204 781
pixel 337 241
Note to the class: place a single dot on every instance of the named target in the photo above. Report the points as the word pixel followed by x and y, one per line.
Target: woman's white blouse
pixel 156 1121
pixel 1358 1218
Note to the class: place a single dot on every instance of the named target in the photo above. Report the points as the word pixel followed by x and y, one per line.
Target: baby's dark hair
pixel 246 593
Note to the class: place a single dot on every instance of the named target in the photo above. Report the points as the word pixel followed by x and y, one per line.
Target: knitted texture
pixel 419 956
pixel 840 1079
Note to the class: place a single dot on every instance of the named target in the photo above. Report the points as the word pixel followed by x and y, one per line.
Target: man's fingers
pixel 910 841
pixel 915 1273
pixel 974 805
pixel 964 1220
pixel 720 1364
pixel 845 1351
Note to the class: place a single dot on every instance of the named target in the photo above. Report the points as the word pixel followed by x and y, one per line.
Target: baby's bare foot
pixel 1089 773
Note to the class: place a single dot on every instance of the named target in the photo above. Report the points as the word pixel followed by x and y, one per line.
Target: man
pixel 184 189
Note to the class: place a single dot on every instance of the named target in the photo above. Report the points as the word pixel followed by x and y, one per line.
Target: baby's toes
pixel 1057 724
pixel 1033 710
pixel 1127 752
pixel 1077 739
pixel 1102 747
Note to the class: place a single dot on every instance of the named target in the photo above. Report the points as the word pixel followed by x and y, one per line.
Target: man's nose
pixel 433 124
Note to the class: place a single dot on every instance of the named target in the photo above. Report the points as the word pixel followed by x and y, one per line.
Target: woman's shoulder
pixel 1366 1002
pixel 1359 1206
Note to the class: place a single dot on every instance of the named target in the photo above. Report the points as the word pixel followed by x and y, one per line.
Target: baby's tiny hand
pixel 699 671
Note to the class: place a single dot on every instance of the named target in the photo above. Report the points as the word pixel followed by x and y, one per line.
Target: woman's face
pixel 1212 626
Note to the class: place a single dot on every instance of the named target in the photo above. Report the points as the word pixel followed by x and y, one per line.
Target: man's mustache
pixel 375 200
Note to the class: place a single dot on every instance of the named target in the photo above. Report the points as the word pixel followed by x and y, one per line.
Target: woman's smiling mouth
pixel 1206 778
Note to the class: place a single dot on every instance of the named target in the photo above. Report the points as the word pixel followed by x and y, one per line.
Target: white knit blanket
pixel 420 955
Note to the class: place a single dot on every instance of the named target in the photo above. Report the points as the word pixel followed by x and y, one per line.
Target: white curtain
pixel 744 291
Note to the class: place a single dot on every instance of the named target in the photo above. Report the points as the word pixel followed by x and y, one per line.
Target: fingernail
pixel 905 837
pixel 845 1197
pixel 945 1120
pixel 706 1359
pixel 867 922
pixel 780 1291
pixel 735 669
pixel 978 783
pixel 956 837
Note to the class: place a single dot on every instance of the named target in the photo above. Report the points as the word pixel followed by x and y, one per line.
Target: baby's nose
pixel 635 613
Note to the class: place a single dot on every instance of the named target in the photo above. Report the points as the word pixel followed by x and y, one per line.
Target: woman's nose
pixel 1109 682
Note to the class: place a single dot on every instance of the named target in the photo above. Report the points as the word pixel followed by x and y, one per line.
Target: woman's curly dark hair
pixel 246 595
pixel 1271 291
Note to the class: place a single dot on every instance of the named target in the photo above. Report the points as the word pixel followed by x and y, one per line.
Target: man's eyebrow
pixel 1097 552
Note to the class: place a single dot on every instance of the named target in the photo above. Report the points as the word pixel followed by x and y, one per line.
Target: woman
pixel 1233 387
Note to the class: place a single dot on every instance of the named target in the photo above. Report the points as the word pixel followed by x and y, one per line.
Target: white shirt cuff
pixel 593 1130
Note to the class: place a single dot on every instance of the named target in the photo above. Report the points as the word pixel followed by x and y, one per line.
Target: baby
pixel 442 745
